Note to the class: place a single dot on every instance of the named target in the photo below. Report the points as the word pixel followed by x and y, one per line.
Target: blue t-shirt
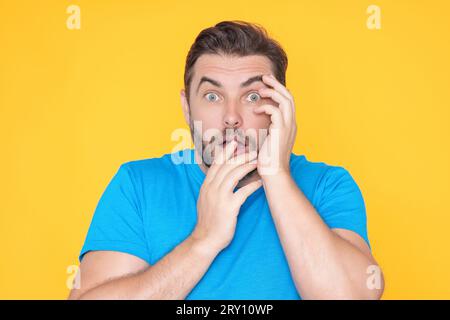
pixel 149 207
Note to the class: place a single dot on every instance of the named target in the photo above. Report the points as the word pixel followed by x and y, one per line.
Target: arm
pixel 325 263
pixel 132 278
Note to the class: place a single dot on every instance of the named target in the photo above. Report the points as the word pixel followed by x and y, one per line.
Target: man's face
pixel 223 95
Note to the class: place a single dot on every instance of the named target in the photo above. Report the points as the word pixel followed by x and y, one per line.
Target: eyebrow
pixel 216 83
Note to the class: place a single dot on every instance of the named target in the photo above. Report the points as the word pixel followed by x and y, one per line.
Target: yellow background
pixel 75 104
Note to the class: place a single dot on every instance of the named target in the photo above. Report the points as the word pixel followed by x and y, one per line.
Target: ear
pixel 185 106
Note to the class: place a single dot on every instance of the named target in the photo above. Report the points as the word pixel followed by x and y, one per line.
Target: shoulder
pixel 321 178
pixel 155 168
pixel 320 171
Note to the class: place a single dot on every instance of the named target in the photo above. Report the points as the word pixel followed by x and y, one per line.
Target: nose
pixel 232 118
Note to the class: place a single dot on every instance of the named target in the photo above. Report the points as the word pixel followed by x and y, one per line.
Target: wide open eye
pixel 211 97
pixel 253 97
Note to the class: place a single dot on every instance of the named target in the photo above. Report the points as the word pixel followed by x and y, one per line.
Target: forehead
pixel 230 70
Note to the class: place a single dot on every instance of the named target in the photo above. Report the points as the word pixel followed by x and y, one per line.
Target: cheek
pixel 257 121
pixel 209 118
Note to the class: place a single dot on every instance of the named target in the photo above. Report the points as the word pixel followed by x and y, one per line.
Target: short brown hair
pixel 236 38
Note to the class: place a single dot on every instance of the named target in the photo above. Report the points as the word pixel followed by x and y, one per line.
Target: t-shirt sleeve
pixel 117 224
pixel 342 204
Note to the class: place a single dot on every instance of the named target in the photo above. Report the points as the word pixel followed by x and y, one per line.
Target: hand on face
pixel 274 155
pixel 275 149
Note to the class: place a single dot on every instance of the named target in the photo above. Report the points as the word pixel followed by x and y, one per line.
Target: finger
pixel 221 155
pixel 240 160
pixel 274 83
pixel 275 114
pixel 284 103
pixel 231 180
pixel 243 193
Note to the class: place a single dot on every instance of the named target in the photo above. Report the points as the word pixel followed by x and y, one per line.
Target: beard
pixel 206 146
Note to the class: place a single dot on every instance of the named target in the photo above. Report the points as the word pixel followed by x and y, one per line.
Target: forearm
pixel 323 265
pixel 172 277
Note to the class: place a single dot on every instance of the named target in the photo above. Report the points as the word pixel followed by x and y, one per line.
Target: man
pixel 248 219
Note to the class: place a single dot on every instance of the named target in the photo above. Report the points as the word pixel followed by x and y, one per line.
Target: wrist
pixel 203 246
pixel 281 176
